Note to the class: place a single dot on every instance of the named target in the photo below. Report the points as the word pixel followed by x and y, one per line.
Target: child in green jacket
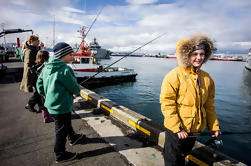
pixel 57 83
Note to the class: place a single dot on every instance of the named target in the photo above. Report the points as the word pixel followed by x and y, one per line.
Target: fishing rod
pixel 90 27
pixel 94 21
pixel 123 57
pixel 221 133
pixel 215 143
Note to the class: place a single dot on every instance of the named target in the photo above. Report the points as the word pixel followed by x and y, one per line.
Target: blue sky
pixel 124 25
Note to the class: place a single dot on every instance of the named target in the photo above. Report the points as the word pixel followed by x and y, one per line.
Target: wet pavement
pixel 26 140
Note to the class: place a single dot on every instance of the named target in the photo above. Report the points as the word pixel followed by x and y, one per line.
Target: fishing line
pixel 123 57
pixel 90 27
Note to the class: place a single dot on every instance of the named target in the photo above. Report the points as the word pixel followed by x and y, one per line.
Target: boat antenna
pixel 90 27
pixel 124 57
pixel 221 133
pixel 54 24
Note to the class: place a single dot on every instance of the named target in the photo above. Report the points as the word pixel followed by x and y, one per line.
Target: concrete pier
pixel 148 130
pixel 115 134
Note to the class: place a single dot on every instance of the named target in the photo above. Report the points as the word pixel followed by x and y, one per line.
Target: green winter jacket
pixel 57 83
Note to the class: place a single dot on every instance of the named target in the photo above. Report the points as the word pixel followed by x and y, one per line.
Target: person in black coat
pixel 29 77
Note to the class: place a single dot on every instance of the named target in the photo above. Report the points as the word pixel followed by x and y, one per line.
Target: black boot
pixel 40 108
pixel 30 108
pixel 65 156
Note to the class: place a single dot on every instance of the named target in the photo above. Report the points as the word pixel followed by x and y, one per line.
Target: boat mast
pixel 85 51
pixel 54 31
pixel 83 47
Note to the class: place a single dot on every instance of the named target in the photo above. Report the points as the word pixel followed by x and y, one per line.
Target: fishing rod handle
pixel 201 134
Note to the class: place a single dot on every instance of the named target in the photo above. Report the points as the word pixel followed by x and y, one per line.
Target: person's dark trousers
pixel 35 99
pixel 175 149
pixel 63 128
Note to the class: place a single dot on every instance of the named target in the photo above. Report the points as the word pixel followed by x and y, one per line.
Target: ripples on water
pixel 232 99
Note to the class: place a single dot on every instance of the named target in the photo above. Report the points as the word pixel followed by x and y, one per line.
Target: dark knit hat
pixel 62 49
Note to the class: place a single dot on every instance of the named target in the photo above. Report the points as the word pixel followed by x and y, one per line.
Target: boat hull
pixel 109 76
pixel 102 53
pixel 103 81
pixel 225 59
pixel 248 63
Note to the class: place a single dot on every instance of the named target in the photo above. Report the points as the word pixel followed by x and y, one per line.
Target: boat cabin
pixel 84 63
pixel 83 60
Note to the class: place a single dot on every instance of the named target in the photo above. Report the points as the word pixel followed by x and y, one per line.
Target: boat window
pixel 84 60
pixel 76 61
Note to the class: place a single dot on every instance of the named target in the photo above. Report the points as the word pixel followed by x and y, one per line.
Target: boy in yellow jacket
pixel 187 99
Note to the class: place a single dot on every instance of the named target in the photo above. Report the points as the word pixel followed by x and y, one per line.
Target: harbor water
pixel 232 99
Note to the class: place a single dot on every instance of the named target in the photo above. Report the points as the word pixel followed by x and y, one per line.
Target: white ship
pixel 85 67
pixel 248 61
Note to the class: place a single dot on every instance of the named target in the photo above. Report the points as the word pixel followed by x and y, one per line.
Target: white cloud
pixel 141 2
pixel 127 27
pixel 36 6
pixel 69 9
pixel 116 31
pixel 38 15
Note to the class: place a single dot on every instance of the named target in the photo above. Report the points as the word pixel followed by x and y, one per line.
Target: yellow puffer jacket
pixel 185 105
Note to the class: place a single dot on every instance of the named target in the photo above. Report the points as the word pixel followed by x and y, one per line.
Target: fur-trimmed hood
pixel 187 45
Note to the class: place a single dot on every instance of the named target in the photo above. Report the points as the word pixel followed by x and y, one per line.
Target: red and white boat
pixel 221 57
pixel 85 67
pixel 171 56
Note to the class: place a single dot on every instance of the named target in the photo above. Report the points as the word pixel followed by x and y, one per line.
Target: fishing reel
pixel 215 143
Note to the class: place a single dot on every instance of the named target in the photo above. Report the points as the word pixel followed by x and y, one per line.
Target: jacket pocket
pixel 186 112
pixel 187 116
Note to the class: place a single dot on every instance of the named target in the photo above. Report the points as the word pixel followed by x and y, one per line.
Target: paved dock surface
pixel 25 140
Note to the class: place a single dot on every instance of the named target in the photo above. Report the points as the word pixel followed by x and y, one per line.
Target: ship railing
pixel 114 69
